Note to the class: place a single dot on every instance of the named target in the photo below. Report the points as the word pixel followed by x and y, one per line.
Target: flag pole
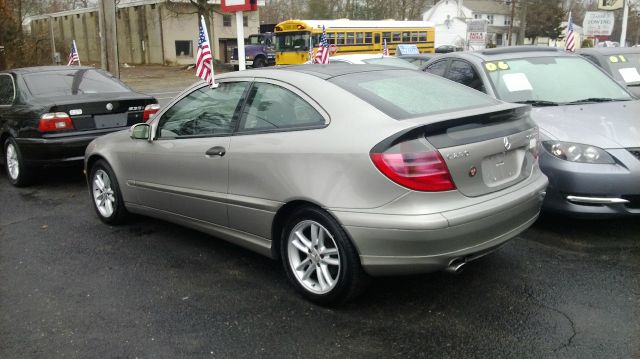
pixel 77 52
pixel 625 19
pixel 203 23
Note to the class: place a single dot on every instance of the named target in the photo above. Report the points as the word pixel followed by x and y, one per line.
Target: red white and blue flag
pixel 73 55
pixel 322 56
pixel 385 48
pixel 204 60
pixel 570 39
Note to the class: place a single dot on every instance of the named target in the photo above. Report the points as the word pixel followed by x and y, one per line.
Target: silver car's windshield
pixel 552 80
pixel 625 67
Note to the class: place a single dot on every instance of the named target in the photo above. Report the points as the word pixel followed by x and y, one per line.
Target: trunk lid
pixel 488 152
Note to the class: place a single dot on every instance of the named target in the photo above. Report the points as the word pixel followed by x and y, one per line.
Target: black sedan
pixel 623 63
pixel 48 115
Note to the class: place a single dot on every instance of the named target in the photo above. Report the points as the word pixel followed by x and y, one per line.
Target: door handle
pixel 216 151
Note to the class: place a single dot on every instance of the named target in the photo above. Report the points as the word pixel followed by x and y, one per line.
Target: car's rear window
pixel 71 82
pixel 404 94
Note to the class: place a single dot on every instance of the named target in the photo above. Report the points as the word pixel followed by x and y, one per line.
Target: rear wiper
pixel 595 100
pixel 536 103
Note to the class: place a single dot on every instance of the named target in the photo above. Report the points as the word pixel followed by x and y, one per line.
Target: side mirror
pixel 140 131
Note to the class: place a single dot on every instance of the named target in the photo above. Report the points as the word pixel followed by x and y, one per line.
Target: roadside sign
pixel 407 49
pixel 598 23
pixel 238 5
pixel 477 34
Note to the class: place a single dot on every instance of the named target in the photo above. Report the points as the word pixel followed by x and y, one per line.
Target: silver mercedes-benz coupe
pixel 342 172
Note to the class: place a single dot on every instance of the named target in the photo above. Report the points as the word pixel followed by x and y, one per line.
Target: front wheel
pixel 106 195
pixel 259 62
pixel 320 260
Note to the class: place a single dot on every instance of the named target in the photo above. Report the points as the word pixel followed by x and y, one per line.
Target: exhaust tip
pixel 455 266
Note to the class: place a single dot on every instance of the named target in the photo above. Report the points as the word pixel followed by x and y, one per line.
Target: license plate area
pixel 502 168
pixel 111 120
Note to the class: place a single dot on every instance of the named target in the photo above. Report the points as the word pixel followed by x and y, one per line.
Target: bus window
pixel 406 37
pixel 386 36
pixel 396 36
pixel 414 37
pixel 377 38
pixel 340 40
pixel 350 38
pixel 331 37
pixel 367 38
pixel 360 38
pixel 292 41
pixel 423 37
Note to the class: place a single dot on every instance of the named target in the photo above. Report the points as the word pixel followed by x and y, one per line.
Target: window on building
pixel 226 20
pixel 507 20
pixel 490 19
pixel 184 48
pixel 245 20
pixel 477 16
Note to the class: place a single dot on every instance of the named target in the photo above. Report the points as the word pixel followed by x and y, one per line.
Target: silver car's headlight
pixel 577 152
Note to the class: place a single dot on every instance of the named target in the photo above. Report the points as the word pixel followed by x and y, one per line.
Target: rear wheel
pixel 106 195
pixel 320 260
pixel 18 173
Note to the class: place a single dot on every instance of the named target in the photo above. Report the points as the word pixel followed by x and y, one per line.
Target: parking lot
pixel 74 287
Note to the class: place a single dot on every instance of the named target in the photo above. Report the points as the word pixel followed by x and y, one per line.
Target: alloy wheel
pixel 13 164
pixel 103 195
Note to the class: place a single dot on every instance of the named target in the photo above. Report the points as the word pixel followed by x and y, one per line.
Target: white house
pixel 451 16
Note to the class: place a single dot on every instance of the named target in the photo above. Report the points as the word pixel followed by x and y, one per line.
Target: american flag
pixel 322 56
pixel 204 61
pixel 385 48
pixel 570 40
pixel 73 55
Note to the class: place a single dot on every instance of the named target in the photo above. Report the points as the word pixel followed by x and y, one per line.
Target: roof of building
pixel 487 7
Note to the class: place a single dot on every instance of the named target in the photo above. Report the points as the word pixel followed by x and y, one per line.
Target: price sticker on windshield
pixel 491 66
pixel 616 59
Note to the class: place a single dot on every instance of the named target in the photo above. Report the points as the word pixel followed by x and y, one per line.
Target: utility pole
pixel 625 19
pixel 109 37
pixel 523 22
pixel 513 14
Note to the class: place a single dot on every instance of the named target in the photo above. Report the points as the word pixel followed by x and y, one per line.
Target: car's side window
pixel 7 90
pixel 272 107
pixel 204 112
pixel 437 68
pixel 462 72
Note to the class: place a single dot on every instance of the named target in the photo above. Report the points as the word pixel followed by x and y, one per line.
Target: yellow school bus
pixel 293 37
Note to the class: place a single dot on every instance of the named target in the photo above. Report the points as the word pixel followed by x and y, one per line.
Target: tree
pixel 544 19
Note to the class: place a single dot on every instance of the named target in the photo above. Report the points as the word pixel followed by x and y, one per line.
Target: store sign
pixel 610 4
pixel 238 5
pixel 598 23
pixel 477 33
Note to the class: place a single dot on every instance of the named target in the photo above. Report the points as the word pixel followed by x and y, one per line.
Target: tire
pixel 259 62
pixel 18 173
pixel 236 67
pixel 332 273
pixel 105 194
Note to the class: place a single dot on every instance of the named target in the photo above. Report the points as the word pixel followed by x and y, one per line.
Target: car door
pixel 184 170
pixel 463 73
pixel 278 120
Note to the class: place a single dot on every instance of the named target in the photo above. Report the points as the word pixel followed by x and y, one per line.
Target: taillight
pixel 150 110
pixel 56 121
pixel 414 164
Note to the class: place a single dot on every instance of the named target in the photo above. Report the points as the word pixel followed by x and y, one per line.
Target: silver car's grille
pixel 635 152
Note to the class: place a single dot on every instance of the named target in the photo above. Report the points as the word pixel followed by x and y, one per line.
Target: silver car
pixel 340 171
pixel 589 123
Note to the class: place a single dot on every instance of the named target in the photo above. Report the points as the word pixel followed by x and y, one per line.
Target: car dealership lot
pixel 71 286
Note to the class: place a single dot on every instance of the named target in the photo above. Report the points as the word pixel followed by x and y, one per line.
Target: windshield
pixel 391 61
pixel 551 79
pixel 405 94
pixel 292 41
pixel 625 67
pixel 71 82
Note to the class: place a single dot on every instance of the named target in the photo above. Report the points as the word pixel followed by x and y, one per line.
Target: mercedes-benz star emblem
pixel 507 144
pixel 109 106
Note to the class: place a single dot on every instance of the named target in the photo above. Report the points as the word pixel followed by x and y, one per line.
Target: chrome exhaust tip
pixel 455 266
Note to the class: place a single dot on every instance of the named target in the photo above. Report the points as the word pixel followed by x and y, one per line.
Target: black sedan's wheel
pixel 320 260
pixel 106 195
pixel 18 173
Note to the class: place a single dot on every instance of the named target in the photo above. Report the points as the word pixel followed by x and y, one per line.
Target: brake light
pixel 414 164
pixel 56 121
pixel 150 110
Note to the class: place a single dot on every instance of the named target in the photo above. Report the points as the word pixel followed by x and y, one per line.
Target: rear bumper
pixel 593 190
pixel 58 149
pixel 426 243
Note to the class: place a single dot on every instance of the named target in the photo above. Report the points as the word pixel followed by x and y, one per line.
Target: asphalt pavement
pixel 71 286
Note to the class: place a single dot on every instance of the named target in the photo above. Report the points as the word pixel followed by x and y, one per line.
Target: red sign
pixel 238 5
